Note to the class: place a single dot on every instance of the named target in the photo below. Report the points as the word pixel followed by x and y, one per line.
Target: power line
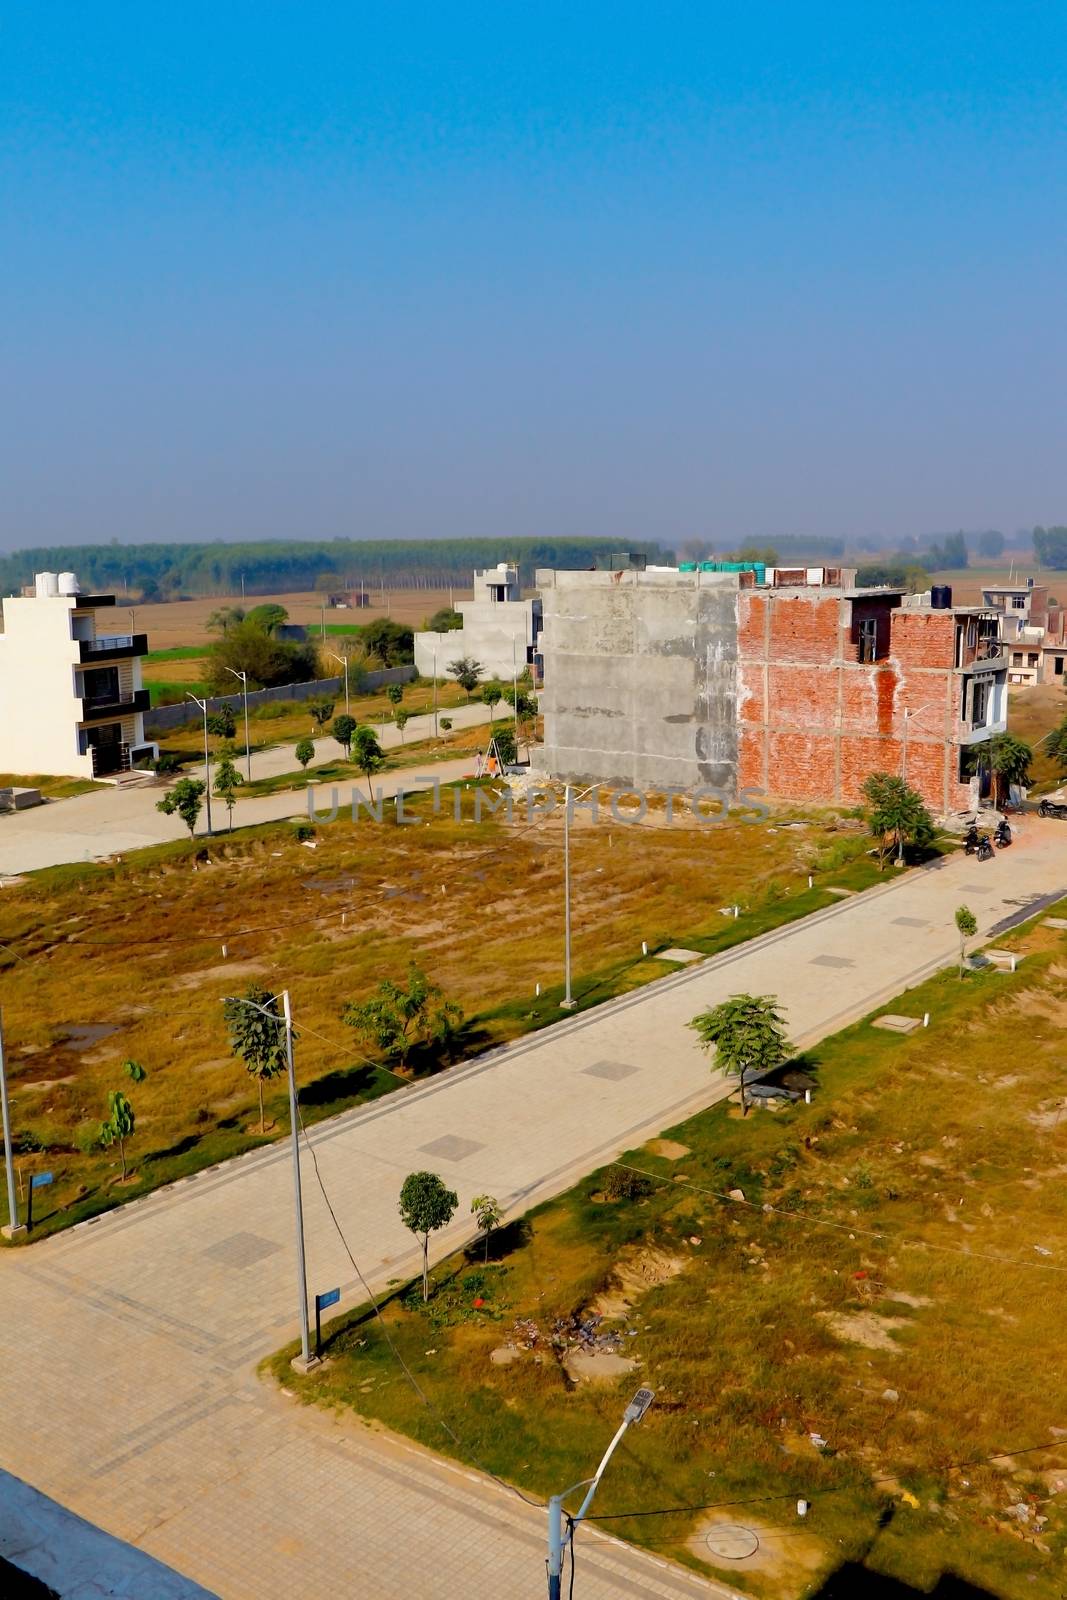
pixel 882 1235
pixel 461 1446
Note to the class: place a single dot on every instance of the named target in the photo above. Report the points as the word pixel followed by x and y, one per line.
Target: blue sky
pixel 734 270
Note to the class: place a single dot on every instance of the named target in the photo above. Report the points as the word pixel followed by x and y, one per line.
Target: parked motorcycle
pixel 1002 835
pixel 984 851
pixel 971 840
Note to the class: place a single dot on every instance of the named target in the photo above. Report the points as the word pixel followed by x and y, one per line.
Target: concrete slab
pixel 894 1023
pixel 1055 922
pixel 683 957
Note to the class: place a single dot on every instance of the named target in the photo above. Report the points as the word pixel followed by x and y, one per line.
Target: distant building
pixel 71 698
pixel 1024 620
pixel 500 630
pixel 790 680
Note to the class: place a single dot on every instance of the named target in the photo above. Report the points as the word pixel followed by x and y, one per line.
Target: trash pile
pixel 579 1331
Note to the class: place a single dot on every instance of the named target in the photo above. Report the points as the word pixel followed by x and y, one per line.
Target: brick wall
pixel 815 721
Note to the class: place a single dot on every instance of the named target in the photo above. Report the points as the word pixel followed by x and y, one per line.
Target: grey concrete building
pixel 641 678
pixel 499 629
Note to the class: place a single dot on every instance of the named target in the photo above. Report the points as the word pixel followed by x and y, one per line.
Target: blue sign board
pixel 330 1298
pixel 39 1179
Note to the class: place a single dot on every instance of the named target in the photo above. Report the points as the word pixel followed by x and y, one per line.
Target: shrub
pixel 303 830
pixel 623 1184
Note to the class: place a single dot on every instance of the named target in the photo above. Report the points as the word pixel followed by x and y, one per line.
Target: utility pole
pixel 207 759
pixel 343 661
pixel 243 676
pixel 633 1413
pixel 305 1360
pixel 568 1003
pixel 14 1226
pixel 435 732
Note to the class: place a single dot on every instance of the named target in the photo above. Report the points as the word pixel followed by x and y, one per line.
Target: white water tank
pixel 68 583
pixel 47 584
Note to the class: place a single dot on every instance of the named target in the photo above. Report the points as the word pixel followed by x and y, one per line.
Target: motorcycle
pixel 984 851
pixel 971 840
pixel 1002 836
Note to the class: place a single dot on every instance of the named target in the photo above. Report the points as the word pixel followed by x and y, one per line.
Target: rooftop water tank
pixel 68 583
pixel 46 584
pixel 941 597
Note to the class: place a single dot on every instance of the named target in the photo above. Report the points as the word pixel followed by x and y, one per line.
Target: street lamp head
pixel 638 1405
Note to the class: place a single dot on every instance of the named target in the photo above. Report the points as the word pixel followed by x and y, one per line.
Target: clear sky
pixel 666 269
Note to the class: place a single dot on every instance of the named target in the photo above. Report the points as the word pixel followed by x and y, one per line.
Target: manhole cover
pixel 731 1541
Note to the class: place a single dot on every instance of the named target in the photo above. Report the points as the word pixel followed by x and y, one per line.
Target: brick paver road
pixel 127 1346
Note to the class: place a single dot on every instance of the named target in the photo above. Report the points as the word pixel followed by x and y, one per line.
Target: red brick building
pixel 835 681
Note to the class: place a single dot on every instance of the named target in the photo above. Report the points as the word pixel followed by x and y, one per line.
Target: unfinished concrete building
pixel 792 681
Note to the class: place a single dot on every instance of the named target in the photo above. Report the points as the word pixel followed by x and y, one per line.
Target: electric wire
pixel 446 1427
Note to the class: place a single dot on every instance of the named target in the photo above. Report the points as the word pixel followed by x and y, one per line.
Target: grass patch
pixel 51 787
pixel 138 944
pixel 178 652
pixel 879 1289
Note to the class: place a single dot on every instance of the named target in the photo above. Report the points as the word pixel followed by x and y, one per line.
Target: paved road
pixel 113 821
pixel 127 1347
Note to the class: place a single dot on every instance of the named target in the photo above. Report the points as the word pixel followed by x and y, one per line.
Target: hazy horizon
pixel 713 272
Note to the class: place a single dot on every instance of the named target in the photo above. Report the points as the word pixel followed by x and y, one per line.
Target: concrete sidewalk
pixel 280 759
pixel 164 1306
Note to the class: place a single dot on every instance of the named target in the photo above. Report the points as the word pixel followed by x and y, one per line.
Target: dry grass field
pixel 858 1301
pixel 141 953
pixel 184 622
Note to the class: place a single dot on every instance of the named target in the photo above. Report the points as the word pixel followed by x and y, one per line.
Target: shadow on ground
pixel 856 1582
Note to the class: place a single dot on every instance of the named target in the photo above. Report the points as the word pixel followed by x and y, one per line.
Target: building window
pixel 1018 602
pixel 1016 658
pixel 868 639
pixel 1031 661
pixel 979 702
pixel 1057 666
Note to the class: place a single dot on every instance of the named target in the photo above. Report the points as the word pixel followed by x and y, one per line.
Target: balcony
pixel 112 646
pixel 123 703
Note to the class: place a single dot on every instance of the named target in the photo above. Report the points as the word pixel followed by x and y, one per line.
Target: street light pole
pixel 14 1226
pixel 633 1413
pixel 207 760
pixel 568 1003
pixel 343 661
pixel 243 676
pixel 435 732
pixel 305 1361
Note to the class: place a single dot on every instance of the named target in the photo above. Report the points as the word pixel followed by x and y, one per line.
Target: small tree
pixel 966 927
pixel 321 712
pixel 119 1125
pixel 466 672
pixel 489 1214
pixel 367 754
pixel 227 782
pixel 186 799
pixel 506 747
pixel 397 1016
pixel 402 718
pixel 395 693
pixel 425 1206
pixel 1056 745
pixel 1009 761
pixel 492 694
pixel 258 1040
pixel 896 815
pixel 304 752
pixel 343 728
pixel 747 1035
pixel 222 724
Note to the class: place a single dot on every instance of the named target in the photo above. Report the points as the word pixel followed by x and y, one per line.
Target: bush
pixel 273 710
pixel 445 723
pixel 623 1184
pixel 303 830
pixel 165 764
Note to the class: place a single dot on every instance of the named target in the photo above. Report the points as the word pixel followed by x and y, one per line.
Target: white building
pixel 499 630
pixel 71 698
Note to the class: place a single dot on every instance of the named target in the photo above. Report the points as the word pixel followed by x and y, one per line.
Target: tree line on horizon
pixel 173 570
